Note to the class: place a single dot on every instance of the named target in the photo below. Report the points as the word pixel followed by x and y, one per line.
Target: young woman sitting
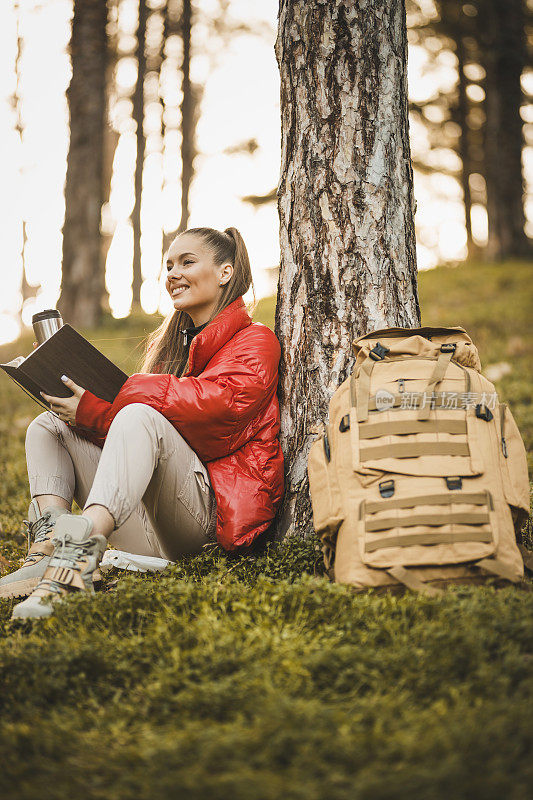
pixel 188 452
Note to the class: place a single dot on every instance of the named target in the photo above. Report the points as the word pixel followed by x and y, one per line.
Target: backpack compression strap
pixel 406 577
pixel 445 356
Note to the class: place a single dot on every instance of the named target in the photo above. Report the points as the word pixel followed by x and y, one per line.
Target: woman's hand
pixel 65 407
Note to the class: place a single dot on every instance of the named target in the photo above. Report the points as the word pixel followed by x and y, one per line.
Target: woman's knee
pixel 45 421
pixel 135 414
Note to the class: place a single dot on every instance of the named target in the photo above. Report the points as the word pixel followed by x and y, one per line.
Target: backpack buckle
pixel 454 483
pixel 448 347
pixel 386 488
pixel 344 424
pixel 483 412
pixel 378 352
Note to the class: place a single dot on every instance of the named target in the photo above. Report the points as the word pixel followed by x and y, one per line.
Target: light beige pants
pixel 146 475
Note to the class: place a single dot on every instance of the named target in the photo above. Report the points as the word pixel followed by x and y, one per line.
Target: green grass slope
pixel 253 677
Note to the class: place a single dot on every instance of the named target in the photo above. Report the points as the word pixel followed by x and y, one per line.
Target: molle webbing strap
pixel 474 498
pixel 412 449
pixel 372 403
pixel 463 517
pixel 498 568
pixel 403 575
pixel 371 430
pixel 428 538
pixel 441 399
pixel 443 361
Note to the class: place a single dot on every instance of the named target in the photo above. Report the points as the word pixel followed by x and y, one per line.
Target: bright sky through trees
pixel 240 102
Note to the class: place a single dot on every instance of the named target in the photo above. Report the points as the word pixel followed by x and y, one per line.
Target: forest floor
pixel 254 678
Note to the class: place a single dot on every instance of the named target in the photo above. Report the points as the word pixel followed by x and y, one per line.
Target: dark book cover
pixel 68 353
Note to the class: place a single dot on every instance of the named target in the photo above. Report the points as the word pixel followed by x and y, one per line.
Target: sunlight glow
pixel 239 82
pixel 480 224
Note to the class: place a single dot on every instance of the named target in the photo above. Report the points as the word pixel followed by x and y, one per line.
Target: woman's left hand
pixel 65 407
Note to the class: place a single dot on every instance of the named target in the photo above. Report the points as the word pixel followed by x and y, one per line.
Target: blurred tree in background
pixel 131 76
pixel 82 287
pixel 491 41
pixel 161 44
pixel 138 117
pixel 502 48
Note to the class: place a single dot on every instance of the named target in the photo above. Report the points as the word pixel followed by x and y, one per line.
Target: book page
pixel 15 363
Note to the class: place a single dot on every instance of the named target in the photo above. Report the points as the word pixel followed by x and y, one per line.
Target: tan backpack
pixel 420 476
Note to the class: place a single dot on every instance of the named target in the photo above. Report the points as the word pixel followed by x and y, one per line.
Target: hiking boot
pixel 39 529
pixel 76 556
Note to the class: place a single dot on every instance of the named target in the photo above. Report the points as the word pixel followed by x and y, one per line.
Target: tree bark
pixel 504 58
pixel 138 116
pixel 83 283
pixel 345 200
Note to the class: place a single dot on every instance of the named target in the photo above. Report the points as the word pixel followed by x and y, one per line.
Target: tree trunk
pixel 138 116
pixel 27 291
pixel 189 111
pixel 345 199
pixel 188 121
pixel 464 150
pixel 83 269
pixel 504 59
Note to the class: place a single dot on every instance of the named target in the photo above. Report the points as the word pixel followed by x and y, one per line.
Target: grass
pixel 253 676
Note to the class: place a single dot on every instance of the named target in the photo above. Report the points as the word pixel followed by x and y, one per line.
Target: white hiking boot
pixel 40 529
pixel 76 557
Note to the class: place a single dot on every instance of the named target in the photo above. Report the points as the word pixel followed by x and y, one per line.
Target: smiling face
pixel 194 281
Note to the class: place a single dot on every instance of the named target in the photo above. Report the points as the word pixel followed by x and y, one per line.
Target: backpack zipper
pixel 468 380
pixel 325 442
pixel 503 406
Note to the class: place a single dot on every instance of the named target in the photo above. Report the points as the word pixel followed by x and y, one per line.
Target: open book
pixel 68 353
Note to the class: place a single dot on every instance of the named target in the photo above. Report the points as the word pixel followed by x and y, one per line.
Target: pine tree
pixel 345 199
pixel 83 284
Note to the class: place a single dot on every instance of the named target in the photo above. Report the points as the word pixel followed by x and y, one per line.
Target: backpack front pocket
pixel 427 528
pixel 395 436
pixel 397 441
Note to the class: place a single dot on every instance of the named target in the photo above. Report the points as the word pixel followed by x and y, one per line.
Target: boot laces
pixel 68 556
pixel 39 530
pixel 71 551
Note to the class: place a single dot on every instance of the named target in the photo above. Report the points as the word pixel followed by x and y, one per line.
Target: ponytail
pixel 165 349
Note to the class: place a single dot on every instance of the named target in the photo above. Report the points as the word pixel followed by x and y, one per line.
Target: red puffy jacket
pixel 225 406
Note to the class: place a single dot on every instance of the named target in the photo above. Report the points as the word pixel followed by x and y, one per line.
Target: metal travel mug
pixel 46 323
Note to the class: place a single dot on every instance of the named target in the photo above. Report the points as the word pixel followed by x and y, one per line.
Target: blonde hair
pixel 165 349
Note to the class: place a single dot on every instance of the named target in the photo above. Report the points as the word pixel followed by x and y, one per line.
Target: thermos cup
pixel 46 323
